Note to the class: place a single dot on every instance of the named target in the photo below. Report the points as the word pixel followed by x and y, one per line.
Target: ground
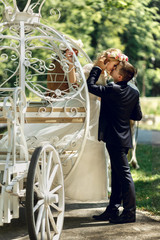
pixel 79 225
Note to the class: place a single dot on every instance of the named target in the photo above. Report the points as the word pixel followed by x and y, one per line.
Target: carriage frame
pixel 34 175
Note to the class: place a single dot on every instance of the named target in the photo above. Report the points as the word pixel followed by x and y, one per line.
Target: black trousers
pixel 122 185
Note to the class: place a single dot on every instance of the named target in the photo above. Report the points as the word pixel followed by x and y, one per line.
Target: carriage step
pixel 4 152
pixel 19 162
pixel 3 160
pixel 21 193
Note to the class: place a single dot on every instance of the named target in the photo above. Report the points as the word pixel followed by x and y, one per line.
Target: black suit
pixel 119 104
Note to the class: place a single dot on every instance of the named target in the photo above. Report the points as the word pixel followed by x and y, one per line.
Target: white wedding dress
pixel 89 180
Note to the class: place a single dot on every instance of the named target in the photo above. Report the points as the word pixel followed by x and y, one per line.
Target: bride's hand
pixel 69 56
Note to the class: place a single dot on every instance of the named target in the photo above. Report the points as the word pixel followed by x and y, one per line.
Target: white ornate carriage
pixel 35 166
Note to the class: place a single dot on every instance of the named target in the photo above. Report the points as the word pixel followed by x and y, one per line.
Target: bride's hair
pixel 114 54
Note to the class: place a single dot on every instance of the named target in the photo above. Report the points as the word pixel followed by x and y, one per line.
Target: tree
pixel 132 26
pixel 141 38
pixel 92 21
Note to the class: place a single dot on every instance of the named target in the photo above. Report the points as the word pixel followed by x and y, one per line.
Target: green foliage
pixel 92 21
pixel 131 25
pixel 151 108
pixel 141 38
pixel 150 105
pixel 147 178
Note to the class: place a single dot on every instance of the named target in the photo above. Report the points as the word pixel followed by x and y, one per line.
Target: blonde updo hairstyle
pixel 110 50
pixel 113 54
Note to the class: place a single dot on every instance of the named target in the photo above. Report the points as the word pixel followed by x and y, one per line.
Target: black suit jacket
pixel 119 104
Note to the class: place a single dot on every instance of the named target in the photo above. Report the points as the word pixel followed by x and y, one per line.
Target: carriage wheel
pixel 45 195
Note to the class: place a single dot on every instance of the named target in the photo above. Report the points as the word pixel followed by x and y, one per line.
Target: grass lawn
pixel 147 178
pixel 150 105
pixel 151 108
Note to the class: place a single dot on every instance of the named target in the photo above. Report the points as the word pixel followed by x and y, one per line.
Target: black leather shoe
pixel 125 217
pixel 107 214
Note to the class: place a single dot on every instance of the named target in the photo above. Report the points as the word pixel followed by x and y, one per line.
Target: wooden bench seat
pixel 51 115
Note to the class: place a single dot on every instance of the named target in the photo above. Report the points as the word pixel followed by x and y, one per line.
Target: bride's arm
pixel 73 76
pixel 72 72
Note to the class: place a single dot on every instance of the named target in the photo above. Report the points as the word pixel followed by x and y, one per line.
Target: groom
pixel 119 104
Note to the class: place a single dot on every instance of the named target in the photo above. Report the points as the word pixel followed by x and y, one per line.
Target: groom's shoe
pixel 107 214
pixel 125 217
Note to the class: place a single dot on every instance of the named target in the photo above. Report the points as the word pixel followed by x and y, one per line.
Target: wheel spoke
pixel 48 226
pixel 43 170
pixel 53 174
pixel 39 203
pixel 43 225
pixel 39 218
pixel 56 207
pixel 52 220
pixel 39 176
pixel 56 189
pixel 38 192
pixel 49 164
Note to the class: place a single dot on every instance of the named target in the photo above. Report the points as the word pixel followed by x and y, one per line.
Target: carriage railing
pixel 52 117
pixel 34 48
pixel 14 159
pixel 12 106
pixel 17 113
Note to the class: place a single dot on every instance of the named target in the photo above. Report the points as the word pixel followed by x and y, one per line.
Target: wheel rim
pixel 47 195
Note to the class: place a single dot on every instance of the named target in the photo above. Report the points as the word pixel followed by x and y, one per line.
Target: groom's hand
pixel 101 62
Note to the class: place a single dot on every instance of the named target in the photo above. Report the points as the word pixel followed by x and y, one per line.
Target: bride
pixel 90 180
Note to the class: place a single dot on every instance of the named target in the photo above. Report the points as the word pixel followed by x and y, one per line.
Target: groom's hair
pixel 127 71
